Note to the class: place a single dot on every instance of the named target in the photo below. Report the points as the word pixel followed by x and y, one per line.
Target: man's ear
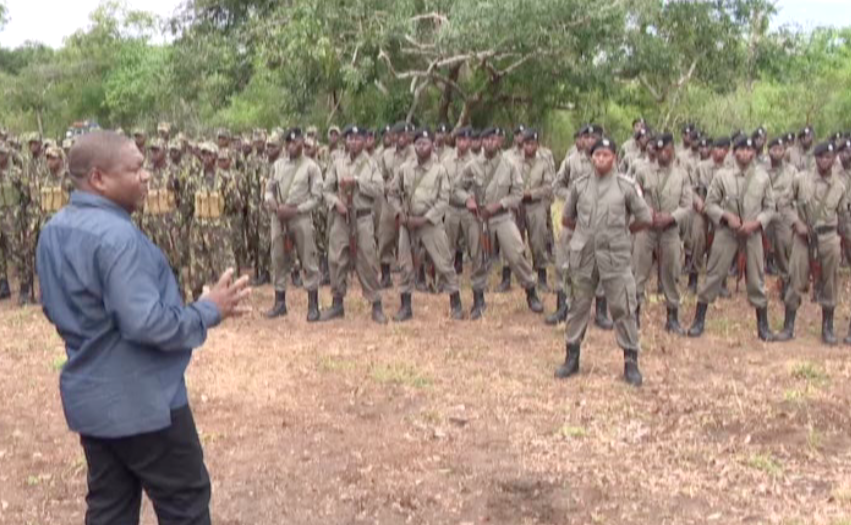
pixel 97 179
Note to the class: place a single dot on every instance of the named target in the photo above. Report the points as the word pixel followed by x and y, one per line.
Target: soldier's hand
pixel 416 222
pixel 347 182
pixel 801 229
pixel 227 294
pixel 527 195
pixel 342 209
pixel 733 222
pixel 471 205
pixel 749 228
pixel 493 208
pixel 698 204
pixel 662 220
pixel 286 212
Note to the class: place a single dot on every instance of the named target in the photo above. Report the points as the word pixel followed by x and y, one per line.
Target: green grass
pixel 572 432
pixel 59 362
pixel 400 374
pixel 330 363
pixel 765 463
pixel 808 371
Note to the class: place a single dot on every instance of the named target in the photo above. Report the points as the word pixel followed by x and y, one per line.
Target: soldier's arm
pixel 329 187
pixel 545 190
pixel 569 212
pixel 436 213
pixel 232 195
pixel 370 183
pixel 686 202
pixel 460 188
pixel 638 208
pixel 769 207
pixel 515 195
pixel 269 196
pixel 314 194
pixel 714 196
pixel 394 192
pixel 844 216
pixel 787 208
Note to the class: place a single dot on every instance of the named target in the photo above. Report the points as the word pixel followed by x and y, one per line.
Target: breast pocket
pixel 616 215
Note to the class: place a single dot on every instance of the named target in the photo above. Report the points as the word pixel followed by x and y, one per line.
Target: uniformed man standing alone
pixel 420 195
pixel 292 193
pixel 816 208
pixel 492 188
pixel 667 191
pixel 741 204
pixel 603 208
pixel 352 184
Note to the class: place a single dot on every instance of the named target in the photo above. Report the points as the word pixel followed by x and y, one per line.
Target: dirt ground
pixel 441 422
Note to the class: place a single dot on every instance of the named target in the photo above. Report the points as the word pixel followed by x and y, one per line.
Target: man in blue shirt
pixel 129 338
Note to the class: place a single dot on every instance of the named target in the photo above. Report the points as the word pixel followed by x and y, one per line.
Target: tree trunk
pixel 446 97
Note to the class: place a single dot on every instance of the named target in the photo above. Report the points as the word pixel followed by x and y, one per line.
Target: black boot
pixel 692 283
pixel 459 263
pixel 405 311
pixel 571 363
pixel 279 309
pixel 386 280
pixel 602 318
pixel 827 336
pixel 638 316
pixel 478 305
pixel 505 285
pixel 696 329
pixel 725 292
pixel 763 332
pixel 296 279
pixel 378 313
pixel 421 285
pixel 533 302
pixel 312 306
pixel 5 291
pixel 673 324
pixel 456 310
pixel 335 312
pixel 542 280
pixel 770 265
pixel 560 315
pixel 788 332
pixel 325 271
pixel 631 373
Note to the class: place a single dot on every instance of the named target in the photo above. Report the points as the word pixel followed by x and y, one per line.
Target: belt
pixel 363 213
pixel 532 201
pixel 500 212
pixel 458 206
pixel 821 230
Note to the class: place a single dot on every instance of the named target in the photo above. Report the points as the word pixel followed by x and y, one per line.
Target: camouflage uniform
pixel 216 200
pixel 161 219
pixel 180 174
pixel 257 173
pixel 15 194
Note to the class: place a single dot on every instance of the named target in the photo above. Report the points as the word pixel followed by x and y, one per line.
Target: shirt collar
pixel 84 199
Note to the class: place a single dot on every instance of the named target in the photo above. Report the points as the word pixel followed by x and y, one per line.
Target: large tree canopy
pixel 555 63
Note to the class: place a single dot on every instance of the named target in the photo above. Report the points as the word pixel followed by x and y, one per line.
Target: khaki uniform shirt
pixel 421 190
pixel 746 194
pixel 368 182
pixel 573 167
pixel 817 201
pixel 537 175
pixel 454 166
pixel 295 183
pixel 667 190
pixel 490 181
pixel 393 159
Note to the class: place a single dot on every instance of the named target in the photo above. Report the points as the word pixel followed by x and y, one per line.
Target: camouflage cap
pixel 223 153
pixel 164 126
pixel 48 143
pixel 54 151
pixel 333 129
pixel 209 147
pixel 67 143
pixel 139 131
pixel 275 139
pixel 175 144
pixel 312 130
pixel 222 132
pixel 309 142
pixel 157 144
pixel 258 134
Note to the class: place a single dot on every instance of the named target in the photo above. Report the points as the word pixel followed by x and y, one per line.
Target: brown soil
pixel 441 422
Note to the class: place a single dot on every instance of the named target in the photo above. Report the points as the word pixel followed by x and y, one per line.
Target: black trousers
pixel 168 465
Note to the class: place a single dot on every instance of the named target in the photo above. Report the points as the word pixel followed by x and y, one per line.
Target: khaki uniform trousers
pixel 433 240
pixel 780 236
pixel 537 214
pixel 667 245
pixel 725 248
pixel 340 259
pixel 829 255
pixel 301 233
pixel 503 229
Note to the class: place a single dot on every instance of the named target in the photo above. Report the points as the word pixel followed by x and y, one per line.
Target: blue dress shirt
pixel 115 302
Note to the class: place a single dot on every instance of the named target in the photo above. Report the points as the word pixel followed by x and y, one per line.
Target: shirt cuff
pixel 210 316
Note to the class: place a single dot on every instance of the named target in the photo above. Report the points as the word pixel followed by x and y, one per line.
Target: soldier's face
pixel 476 144
pixel 777 152
pixel 807 140
pixel 491 144
pixel 35 147
pixel 588 141
pixel 259 146
pixel 462 145
pixel 333 138
pixel 518 139
pixel 163 134
pixel 845 156
pixel 273 150
pixel 825 161
pixel 54 163
pixel 604 160
pixel 666 154
pixel 223 163
pixel 440 139
pixel 638 126
pixel 222 142
pixel 208 158
pixel 423 147
pixel 370 142
pixel 759 142
pixel 295 147
pixel 704 152
pixel 719 154
pixel 157 154
pixel 388 140
pixel 530 148
pixel 403 139
pixel 140 140
pixel 355 143
pixel 175 155
pixel 125 182
pixel 744 156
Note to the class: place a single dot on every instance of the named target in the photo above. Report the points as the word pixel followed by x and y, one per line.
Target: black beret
pixel 844 144
pixel 403 127
pixel 519 129
pixel 736 135
pixel 530 134
pixel 604 143
pixel 593 129
pixel 663 140
pixel 687 127
pixel 423 133
pixel 758 132
pixel 743 142
pixel 777 141
pixel 489 132
pixel 354 129
pixel 442 128
pixel 370 133
pixel 465 132
pixel 500 131
pixel 836 136
pixel 790 136
pixel 824 148
pixel 293 134
pixel 476 134
pixel 705 142
pixel 387 129
pixel 806 131
pixel 721 143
